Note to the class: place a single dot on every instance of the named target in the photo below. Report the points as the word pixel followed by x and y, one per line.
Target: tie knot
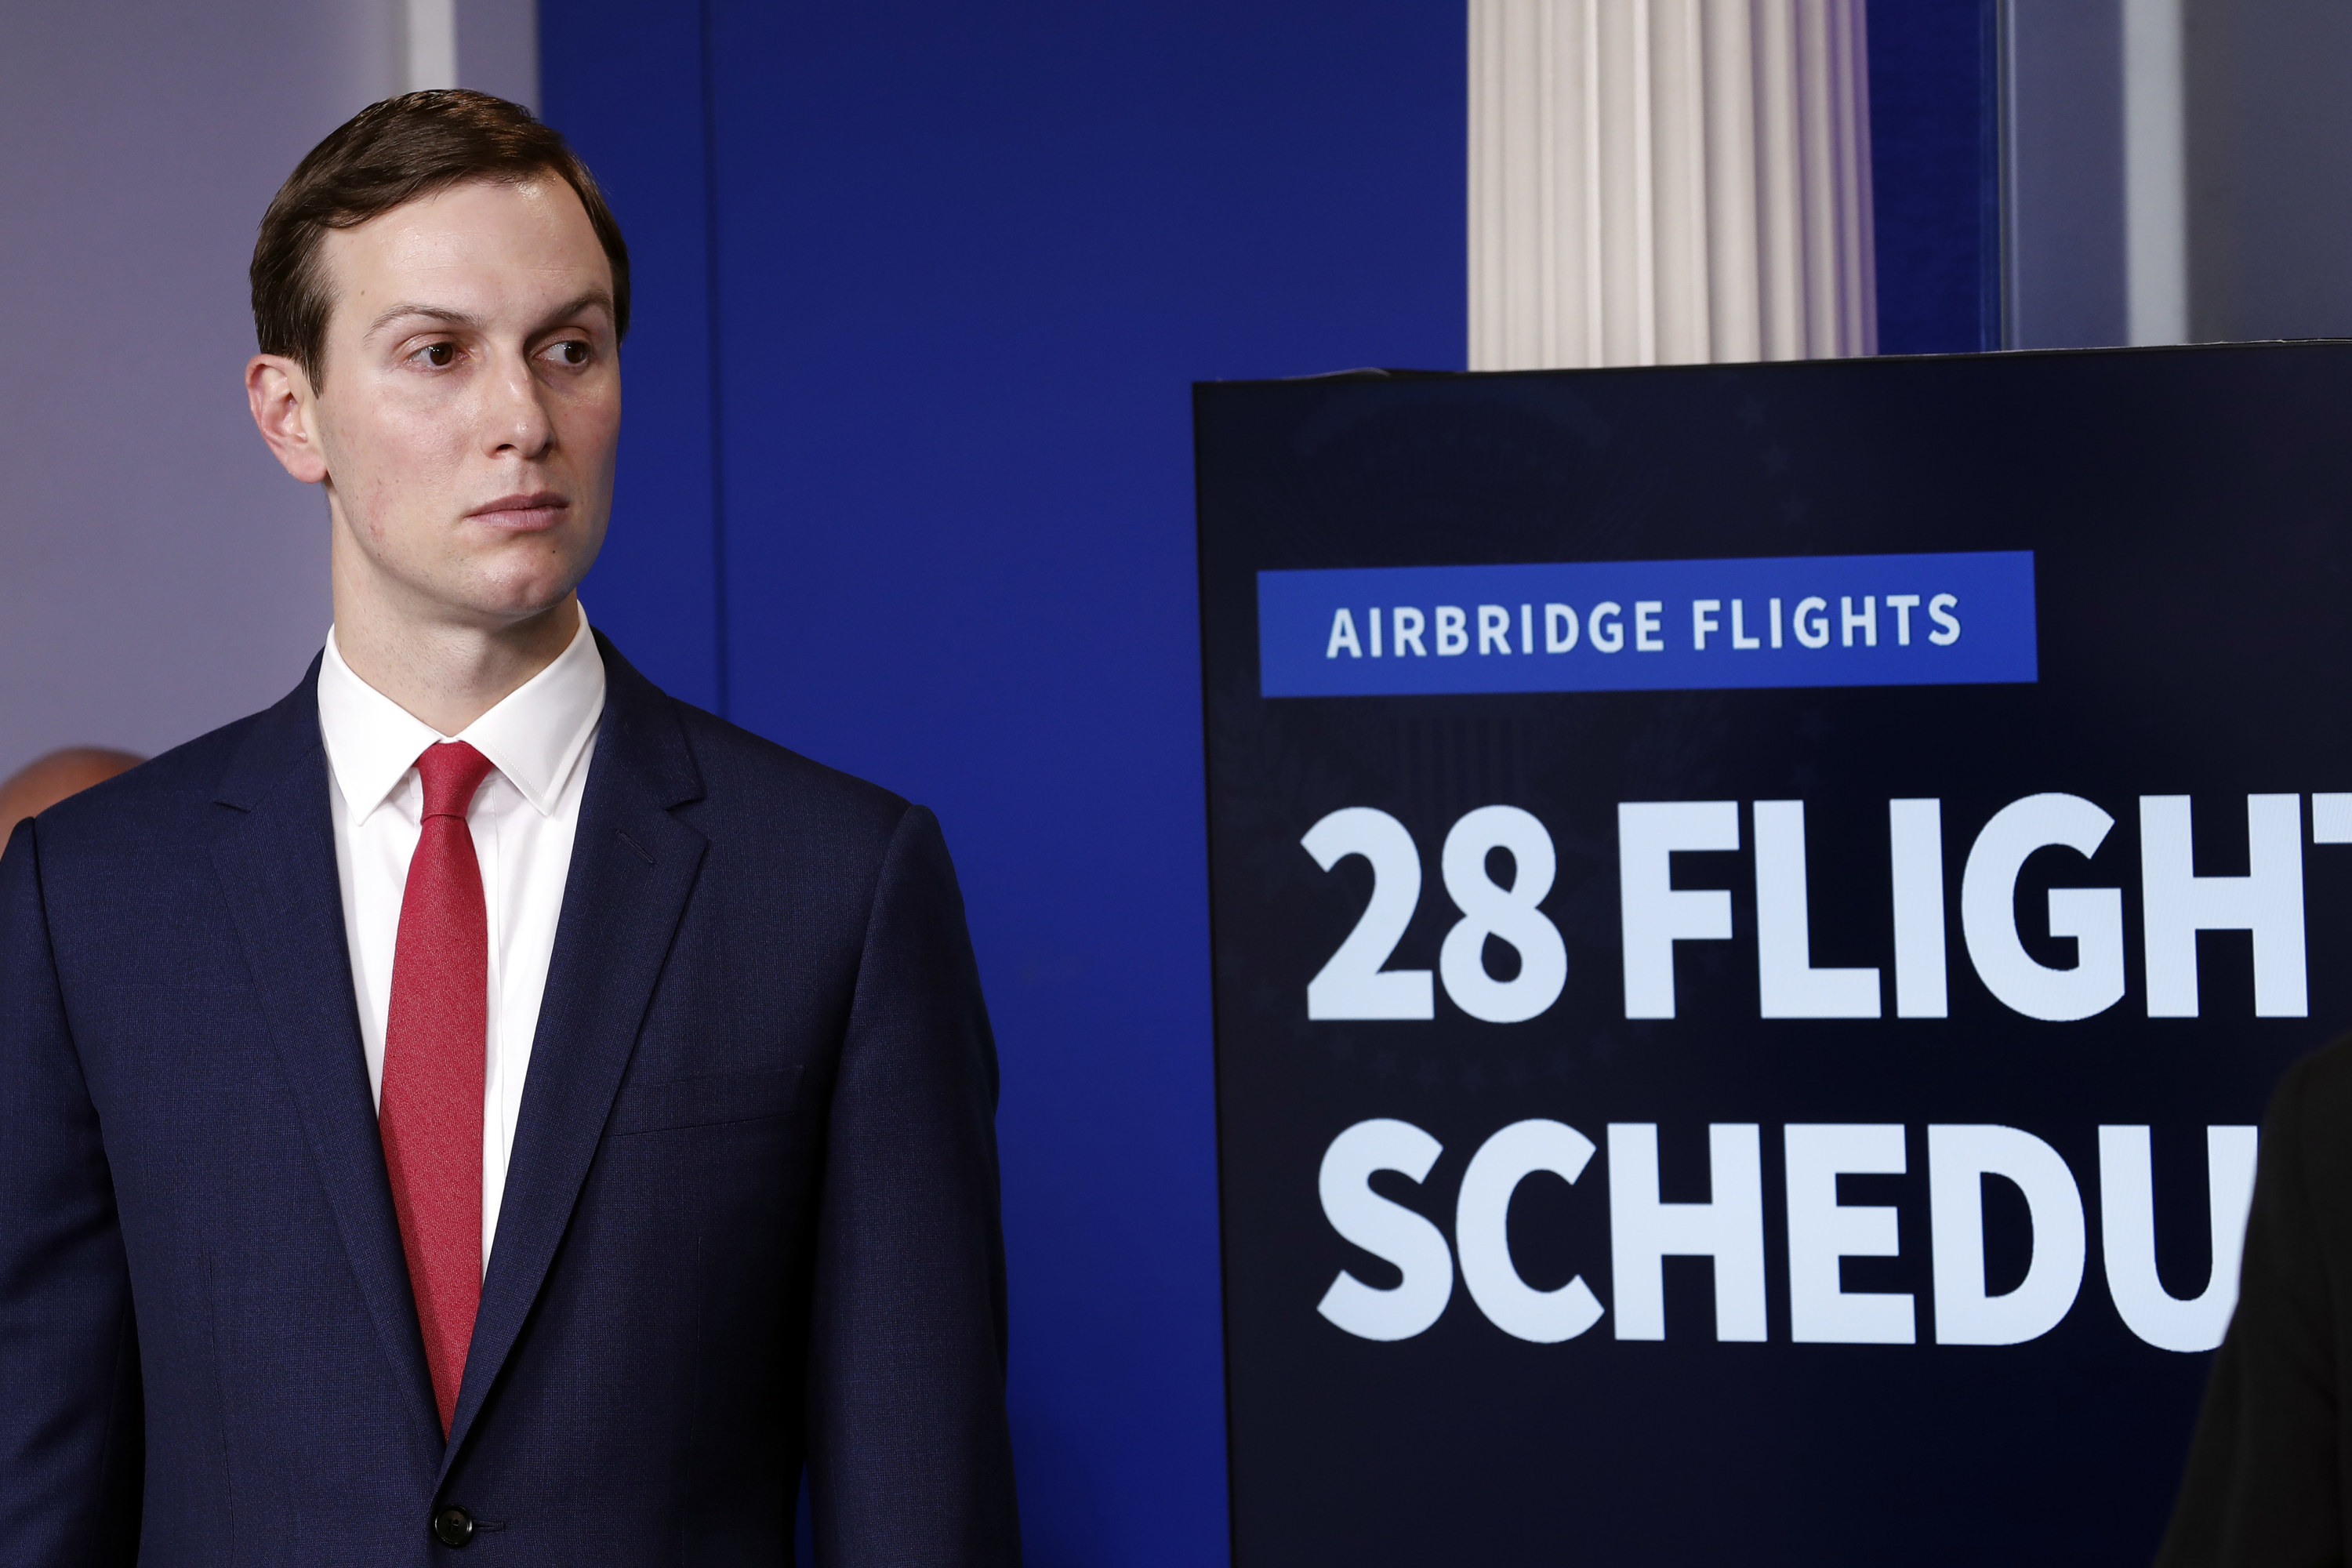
pixel 452 771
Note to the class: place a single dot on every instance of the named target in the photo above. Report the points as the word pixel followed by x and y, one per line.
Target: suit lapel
pixel 632 868
pixel 275 861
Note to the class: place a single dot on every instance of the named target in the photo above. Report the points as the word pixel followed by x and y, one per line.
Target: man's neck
pixel 449 676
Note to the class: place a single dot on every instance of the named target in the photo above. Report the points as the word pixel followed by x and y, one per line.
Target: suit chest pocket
pixel 714 1100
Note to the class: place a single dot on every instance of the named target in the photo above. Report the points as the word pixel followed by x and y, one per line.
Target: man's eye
pixel 571 351
pixel 440 356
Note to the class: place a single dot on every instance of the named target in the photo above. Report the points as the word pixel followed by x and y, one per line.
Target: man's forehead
pixel 468 247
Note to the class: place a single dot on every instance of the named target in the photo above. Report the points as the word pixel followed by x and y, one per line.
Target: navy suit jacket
pixel 751 1217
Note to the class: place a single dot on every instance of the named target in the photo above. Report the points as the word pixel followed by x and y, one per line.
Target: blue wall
pixel 966 264
pixel 1934 151
pixel 625 82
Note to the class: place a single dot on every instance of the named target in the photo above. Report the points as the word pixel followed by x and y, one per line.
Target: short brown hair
pixel 386 154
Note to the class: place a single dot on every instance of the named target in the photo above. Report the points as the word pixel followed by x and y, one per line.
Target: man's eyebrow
pixel 430 313
pixel 572 306
pixel 455 317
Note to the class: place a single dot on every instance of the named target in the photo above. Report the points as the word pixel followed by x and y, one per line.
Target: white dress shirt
pixel 524 818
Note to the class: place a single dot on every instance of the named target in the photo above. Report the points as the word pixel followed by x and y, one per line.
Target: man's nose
pixel 516 418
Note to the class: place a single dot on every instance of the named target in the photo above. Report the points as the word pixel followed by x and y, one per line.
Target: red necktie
pixel 433 1041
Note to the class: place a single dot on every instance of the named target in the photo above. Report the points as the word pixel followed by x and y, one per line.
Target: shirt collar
pixel 535 736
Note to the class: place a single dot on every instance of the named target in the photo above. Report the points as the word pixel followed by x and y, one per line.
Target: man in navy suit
pixel 481 1103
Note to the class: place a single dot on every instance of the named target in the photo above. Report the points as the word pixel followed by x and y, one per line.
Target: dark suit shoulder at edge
pixel 2322 1079
pixel 2304 1129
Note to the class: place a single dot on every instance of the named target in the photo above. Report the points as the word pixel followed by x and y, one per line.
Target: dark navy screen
pixel 1687 1101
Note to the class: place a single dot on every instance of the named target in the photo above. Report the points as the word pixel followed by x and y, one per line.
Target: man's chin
pixel 496 592
pixel 523 590
pixel 536 609
pixel 509 607
pixel 521 584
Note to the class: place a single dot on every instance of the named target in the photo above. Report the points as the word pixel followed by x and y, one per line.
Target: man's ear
pixel 280 393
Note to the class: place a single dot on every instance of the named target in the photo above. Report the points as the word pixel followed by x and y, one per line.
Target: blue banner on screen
pixel 1954 620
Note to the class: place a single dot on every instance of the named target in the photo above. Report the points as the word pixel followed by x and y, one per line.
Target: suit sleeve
pixel 2263 1482
pixel 71 1445
pixel 910 1463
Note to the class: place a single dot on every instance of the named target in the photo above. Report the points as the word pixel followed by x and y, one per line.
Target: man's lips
pixel 521 513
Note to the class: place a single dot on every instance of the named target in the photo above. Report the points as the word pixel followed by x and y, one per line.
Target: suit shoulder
pixel 166 791
pixel 746 775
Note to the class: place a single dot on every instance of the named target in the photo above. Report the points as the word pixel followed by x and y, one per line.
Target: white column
pixel 1668 182
pixel 429 29
pixel 491 46
pixel 2156 173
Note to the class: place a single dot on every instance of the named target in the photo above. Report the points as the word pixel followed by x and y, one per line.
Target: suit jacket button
pixel 452 1526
